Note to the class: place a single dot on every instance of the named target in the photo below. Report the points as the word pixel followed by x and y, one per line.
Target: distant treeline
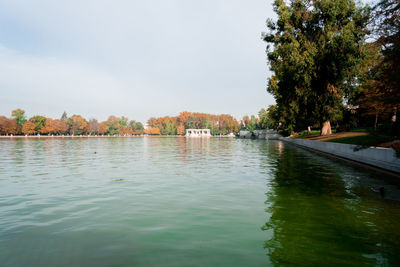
pixel 73 125
pixel 18 124
pixel 218 124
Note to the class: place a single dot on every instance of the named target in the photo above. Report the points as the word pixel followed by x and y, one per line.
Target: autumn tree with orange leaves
pixel 29 128
pixel 8 126
pixel 77 125
pixel 218 124
pixel 49 127
pixel 152 131
pixel 103 128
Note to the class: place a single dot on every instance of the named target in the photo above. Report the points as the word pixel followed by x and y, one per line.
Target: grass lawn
pixel 363 140
pixel 314 133
pixel 305 135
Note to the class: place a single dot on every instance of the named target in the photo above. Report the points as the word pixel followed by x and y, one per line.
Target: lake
pixel 160 201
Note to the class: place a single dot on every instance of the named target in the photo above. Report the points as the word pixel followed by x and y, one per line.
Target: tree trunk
pixel 308 130
pixel 376 119
pixel 326 128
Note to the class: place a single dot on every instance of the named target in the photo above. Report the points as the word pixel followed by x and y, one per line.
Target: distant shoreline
pixel 94 136
pixel 69 136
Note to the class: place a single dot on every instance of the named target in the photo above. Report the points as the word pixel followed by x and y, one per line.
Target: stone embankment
pixel 384 158
pixel 260 134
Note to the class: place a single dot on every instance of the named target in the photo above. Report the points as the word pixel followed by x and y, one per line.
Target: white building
pixel 198 133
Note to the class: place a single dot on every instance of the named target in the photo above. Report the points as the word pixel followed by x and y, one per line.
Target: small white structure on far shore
pixel 198 133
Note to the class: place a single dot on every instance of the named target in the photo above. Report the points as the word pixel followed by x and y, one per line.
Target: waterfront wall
pixel 384 158
pixel 260 134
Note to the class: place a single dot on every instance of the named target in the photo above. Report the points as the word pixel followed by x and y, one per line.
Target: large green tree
pixel 313 49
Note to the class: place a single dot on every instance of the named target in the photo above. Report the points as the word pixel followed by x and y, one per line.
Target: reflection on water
pixel 189 202
pixel 327 213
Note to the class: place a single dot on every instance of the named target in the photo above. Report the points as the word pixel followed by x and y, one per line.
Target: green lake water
pixel 190 202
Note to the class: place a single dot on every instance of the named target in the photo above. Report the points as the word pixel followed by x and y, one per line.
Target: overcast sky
pixel 135 58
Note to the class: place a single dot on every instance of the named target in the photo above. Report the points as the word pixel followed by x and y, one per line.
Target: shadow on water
pixel 325 212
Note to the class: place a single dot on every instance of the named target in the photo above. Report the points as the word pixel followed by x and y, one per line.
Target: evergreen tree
pixel 64 116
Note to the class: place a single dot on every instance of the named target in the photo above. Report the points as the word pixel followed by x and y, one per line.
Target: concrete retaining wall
pixel 245 134
pixel 384 158
pixel 260 134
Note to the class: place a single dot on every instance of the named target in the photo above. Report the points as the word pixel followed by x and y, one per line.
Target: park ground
pixel 362 137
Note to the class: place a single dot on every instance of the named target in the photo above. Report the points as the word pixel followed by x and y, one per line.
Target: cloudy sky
pixel 134 58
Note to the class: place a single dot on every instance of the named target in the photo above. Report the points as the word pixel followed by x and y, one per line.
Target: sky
pixel 139 59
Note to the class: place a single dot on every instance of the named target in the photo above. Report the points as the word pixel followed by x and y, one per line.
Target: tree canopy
pixel 314 49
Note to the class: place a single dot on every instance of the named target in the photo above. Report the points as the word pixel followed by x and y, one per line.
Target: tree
pixel 19 116
pixel 139 126
pixel 49 127
pixel 77 125
pixel 180 130
pixel 218 124
pixel 265 119
pixel 152 131
pixel 93 126
pixel 64 116
pixel 380 87
pixel 386 28
pixel 8 126
pixel 250 123
pixel 123 121
pixel 103 127
pixel 317 46
pixel 3 125
pixel 124 130
pixel 54 127
pixel 29 128
pixel 245 121
pixel 113 125
pixel 60 126
pixel 136 127
pixel 39 121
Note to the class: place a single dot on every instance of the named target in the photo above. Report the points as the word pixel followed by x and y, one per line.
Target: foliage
pixel 316 48
pixel 8 126
pixel 103 128
pixel 379 93
pixel 387 30
pixel 152 131
pixel 266 120
pixel 124 130
pixel 74 125
pixel 113 125
pixel 77 125
pixel 218 124
pixel 123 121
pixel 39 122
pixel 251 123
pixel 29 128
pixel 50 127
pixel 64 116
pixel 19 116
pixel 136 127
pixel 93 126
